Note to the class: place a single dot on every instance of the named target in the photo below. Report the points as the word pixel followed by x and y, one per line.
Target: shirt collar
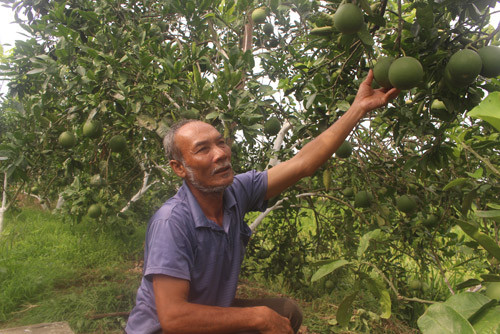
pixel 200 220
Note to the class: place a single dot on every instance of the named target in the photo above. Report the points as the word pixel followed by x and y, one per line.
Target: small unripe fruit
pixel 406 204
pixel 348 18
pixel 490 57
pixel 363 199
pixel 344 151
pixel 259 15
pixel 464 66
pixel 117 143
pixel 272 126
pixel 406 73
pixel 92 129
pixel 67 139
pixel 94 211
pixel 381 71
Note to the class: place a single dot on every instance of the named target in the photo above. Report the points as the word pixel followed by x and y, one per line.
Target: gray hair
pixel 172 151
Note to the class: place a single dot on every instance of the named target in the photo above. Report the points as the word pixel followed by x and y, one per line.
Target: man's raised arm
pixel 319 150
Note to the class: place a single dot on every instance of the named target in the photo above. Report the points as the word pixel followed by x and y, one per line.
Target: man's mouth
pixel 222 169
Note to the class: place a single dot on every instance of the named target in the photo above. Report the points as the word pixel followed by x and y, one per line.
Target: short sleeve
pixel 250 190
pixel 169 249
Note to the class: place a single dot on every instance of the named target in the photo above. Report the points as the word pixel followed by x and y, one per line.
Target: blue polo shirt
pixel 181 242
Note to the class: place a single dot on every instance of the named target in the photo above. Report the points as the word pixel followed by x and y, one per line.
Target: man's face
pixel 207 157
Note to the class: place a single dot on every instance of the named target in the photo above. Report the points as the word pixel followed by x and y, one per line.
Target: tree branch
pixel 277 205
pixel 277 143
pixel 142 191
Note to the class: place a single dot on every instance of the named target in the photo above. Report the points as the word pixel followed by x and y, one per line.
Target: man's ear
pixel 178 168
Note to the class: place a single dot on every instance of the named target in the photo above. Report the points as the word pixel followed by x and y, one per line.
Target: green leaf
pixel 467 303
pixel 385 304
pixel 487 110
pixel 344 311
pixel 328 268
pixel 490 278
pixel 488 214
pixel 364 242
pixel 442 319
pixel 310 100
pixel 36 71
pixel 488 320
pixel 456 182
pixel 468 283
pixel 365 37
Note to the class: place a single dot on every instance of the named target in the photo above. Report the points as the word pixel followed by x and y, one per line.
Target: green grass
pixel 52 270
pixel 87 274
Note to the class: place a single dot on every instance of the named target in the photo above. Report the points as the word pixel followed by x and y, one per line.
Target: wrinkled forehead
pixel 194 132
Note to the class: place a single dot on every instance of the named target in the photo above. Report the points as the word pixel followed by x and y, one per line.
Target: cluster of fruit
pixel 93 129
pixel 461 70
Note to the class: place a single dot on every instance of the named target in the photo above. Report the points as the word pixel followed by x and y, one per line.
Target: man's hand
pixel 274 323
pixel 368 98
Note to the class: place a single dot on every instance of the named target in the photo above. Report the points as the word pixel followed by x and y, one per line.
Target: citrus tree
pixel 411 193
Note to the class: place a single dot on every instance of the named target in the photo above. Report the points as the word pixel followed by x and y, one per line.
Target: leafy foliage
pixel 138 66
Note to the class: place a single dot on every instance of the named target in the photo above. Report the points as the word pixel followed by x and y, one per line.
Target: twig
pixel 483 159
pixel 441 270
pixel 172 100
pixel 216 40
pixel 400 25
pixel 393 288
pixel 263 215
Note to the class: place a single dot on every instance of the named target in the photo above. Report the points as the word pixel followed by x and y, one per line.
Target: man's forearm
pixel 321 148
pixel 194 318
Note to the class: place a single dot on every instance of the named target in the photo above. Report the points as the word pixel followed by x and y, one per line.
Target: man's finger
pixel 369 77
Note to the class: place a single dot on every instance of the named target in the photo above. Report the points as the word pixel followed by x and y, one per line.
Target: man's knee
pixel 283 306
pixel 292 311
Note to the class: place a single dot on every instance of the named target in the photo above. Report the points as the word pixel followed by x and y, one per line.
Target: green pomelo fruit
pixel 406 73
pixel 406 204
pixel 322 31
pixel 96 180
pixel 329 284
pixel 415 284
pixel 92 129
pixel 268 29
pixel 348 192
pixel 381 71
pixel 94 211
pixel 344 150
pixel 348 18
pixel 363 199
pixel 431 220
pixel 464 66
pixel 438 105
pixel 67 139
pixel 490 57
pixel 117 143
pixel 259 15
pixel 493 290
pixel 273 42
pixel 272 126
pixel 438 109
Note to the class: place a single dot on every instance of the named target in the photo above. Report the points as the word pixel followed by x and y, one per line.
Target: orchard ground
pixel 87 275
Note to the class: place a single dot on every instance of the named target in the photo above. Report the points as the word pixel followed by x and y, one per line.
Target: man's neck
pixel 210 203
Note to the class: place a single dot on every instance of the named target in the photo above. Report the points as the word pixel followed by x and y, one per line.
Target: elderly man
pixel 196 241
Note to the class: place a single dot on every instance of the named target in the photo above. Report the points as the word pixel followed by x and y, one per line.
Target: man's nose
pixel 220 153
